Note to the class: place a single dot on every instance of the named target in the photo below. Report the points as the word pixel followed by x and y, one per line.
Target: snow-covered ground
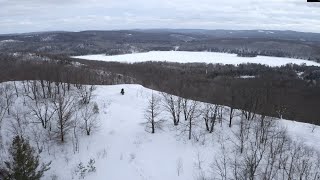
pixel 190 57
pixel 123 149
pixel 132 153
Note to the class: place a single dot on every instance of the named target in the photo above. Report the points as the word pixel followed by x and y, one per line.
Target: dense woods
pixel 289 91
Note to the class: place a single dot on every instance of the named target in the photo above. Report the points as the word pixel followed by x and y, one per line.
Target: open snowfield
pixel 191 57
pixel 122 149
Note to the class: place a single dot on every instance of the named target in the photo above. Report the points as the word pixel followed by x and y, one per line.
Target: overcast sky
pixel 18 16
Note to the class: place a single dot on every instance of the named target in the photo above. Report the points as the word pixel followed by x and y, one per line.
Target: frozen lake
pixel 191 57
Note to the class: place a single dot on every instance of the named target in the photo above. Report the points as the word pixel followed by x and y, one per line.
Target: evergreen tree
pixel 24 163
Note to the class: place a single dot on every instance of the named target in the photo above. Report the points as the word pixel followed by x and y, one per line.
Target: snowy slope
pixel 190 57
pixel 123 149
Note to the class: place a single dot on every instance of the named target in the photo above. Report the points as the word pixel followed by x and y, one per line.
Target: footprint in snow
pixel 140 170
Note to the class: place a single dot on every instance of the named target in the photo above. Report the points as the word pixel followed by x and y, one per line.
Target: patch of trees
pixel 257 147
pixel 247 54
pixel 44 113
pixel 54 68
pixel 262 150
pixel 48 112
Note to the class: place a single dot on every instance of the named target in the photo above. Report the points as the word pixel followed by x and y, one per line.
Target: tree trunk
pixel 206 120
pixel 152 119
pixel 190 128
pixel 62 135
pixel 231 116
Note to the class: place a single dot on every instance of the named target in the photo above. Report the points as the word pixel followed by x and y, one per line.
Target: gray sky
pixel 75 15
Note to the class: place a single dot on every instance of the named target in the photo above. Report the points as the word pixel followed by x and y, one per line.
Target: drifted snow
pixel 191 57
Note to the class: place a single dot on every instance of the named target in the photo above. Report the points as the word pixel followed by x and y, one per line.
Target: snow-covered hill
pixel 122 149
pixel 191 57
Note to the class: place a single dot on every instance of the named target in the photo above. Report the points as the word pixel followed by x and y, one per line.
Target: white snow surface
pixel 247 77
pixel 123 149
pixel 193 57
pixel 9 40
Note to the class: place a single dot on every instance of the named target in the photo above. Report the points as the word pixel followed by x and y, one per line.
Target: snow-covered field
pixel 191 57
pixel 123 149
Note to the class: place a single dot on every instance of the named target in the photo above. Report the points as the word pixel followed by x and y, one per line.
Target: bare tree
pixel 220 165
pixel 8 93
pixel 16 88
pixel 206 115
pixel 242 134
pixel 6 101
pixel 190 114
pixel 18 122
pixel 89 114
pixel 210 113
pixel 231 115
pixel 214 114
pixel 232 110
pixel 43 111
pixel 173 106
pixel 3 109
pixel 85 93
pixel 33 90
pixel 300 162
pixel 75 135
pixel 152 113
pixel 65 108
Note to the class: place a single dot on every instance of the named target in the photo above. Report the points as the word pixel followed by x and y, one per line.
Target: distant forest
pixel 244 43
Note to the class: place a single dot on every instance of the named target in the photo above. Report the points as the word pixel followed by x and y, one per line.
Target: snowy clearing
pixel 192 57
pixel 122 149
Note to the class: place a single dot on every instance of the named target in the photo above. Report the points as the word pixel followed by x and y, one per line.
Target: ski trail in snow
pixel 127 129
